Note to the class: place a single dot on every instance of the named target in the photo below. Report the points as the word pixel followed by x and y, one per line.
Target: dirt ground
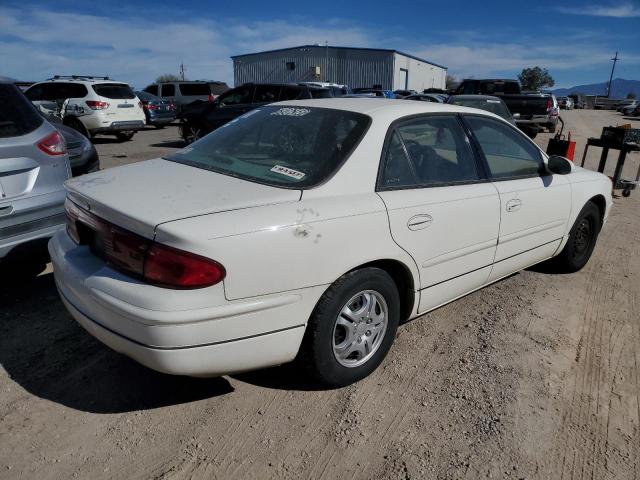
pixel 534 377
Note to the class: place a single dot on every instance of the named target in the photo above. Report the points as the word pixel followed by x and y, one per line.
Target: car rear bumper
pixel 120 126
pixel 171 335
pixel 32 218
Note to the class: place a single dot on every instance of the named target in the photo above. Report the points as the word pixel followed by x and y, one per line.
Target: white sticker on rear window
pixel 493 101
pixel 289 172
pixel 292 112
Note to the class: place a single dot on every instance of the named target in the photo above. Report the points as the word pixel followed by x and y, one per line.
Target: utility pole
pixel 615 59
pixel 182 70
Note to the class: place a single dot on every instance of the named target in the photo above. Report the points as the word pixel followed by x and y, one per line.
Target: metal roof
pixel 233 57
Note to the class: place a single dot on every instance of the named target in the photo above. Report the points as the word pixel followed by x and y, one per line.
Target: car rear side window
pixel 437 150
pixel 168 90
pixel 18 116
pixel 116 91
pixel 237 96
pixel 291 93
pixel 195 89
pixel 508 153
pixel 266 94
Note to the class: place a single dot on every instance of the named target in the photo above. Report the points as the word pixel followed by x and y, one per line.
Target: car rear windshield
pixel 490 105
pixel 17 115
pixel 291 147
pixel 192 89
pixel 116 91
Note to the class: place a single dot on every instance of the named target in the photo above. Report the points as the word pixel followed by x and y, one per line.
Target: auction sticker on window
pixel 289 172
pixel 292 112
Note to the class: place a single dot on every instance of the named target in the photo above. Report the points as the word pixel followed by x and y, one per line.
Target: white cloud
pixel 623 10
pixel 35 44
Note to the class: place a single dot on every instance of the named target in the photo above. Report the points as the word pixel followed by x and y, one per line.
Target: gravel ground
pixel 535 376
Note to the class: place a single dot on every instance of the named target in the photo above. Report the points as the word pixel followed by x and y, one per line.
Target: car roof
pixel 376 106
pixel 476 97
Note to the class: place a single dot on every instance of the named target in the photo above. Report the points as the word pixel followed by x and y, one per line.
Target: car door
pixel 534 204
pixel 442 209
pixel 230 105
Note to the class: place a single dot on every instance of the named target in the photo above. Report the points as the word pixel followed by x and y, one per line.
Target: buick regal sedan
pixel 307 230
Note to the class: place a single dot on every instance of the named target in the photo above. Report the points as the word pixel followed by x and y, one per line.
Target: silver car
pixel 33 167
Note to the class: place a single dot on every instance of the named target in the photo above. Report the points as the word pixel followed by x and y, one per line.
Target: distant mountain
pixel 619 88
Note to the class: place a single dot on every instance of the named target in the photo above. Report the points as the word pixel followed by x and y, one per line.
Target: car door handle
pixel 514 204
pixel 4 211
pixel 418 222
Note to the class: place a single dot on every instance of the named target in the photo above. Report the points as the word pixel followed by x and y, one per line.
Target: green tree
pixel 535 78
pixel 451 82
pixel 167 77
pixel 632 95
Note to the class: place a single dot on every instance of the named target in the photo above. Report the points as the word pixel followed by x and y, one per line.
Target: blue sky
pixel 137 42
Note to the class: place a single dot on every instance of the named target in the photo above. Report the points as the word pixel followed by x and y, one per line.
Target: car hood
pixel 143 195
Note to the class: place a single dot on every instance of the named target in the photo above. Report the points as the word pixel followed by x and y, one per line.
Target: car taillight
pixel 179 269
pixel 139 104
pixel 97 105
pixel 211 97
pixel 549 104
pixel 53 144
pixel 139 257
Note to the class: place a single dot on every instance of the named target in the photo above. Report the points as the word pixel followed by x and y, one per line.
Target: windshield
pixel 493 106
pixel 293 147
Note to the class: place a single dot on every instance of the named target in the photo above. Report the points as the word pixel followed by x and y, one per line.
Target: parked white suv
pixel 92 105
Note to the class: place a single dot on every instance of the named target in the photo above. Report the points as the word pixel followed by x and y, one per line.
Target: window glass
pixel 17 115
pixel 152 89
pixel 35 93
pixel 168 90
pixel 493 105
pixel 397 168
pixel 295 147
pixel 195 89
pixel 77 90
pixel 290 93
pixel 438 150
pixel 508 153
pixel 116 91
pixel 236 96
pixel 266 94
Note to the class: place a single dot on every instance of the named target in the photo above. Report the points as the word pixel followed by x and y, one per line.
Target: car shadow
pixel 48 354
pixel 284 377
pixel 169 144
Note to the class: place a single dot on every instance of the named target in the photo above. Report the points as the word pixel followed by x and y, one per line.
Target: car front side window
pixel 508 153
pixel 437 151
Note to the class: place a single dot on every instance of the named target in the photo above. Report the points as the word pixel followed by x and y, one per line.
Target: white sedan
pixel 309 230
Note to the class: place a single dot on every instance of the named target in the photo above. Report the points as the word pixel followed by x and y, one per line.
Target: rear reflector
pixel 139 257
pixel 53 144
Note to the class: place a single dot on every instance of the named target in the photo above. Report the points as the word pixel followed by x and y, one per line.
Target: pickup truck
pixel 531 111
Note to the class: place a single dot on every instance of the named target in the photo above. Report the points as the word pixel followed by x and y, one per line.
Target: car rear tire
pixel 190 133
pixel 351 328
pixel 582 241
pixel 124 136
pixel 77 125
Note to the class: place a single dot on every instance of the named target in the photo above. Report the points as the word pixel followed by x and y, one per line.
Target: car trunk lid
pixel 141 196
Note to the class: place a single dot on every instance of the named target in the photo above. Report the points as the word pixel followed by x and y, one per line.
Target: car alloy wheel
pixel 360 328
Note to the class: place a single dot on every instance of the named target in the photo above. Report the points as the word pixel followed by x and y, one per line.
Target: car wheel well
pixel 601 203
pixel 403 279
pixel 76 124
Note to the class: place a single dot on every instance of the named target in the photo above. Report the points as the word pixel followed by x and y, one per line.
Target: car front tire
pixel 352 328
pixel 582 240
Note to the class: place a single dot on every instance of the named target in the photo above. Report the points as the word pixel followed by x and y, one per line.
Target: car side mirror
pixel 559 165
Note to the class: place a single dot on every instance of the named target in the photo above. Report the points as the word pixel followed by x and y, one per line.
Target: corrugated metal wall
pixel 353 67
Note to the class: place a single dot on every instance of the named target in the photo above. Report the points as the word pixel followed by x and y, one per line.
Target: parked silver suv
pixel 181 93
pixel 33 167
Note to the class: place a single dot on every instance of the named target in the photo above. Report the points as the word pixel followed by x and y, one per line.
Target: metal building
pixel 356 67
